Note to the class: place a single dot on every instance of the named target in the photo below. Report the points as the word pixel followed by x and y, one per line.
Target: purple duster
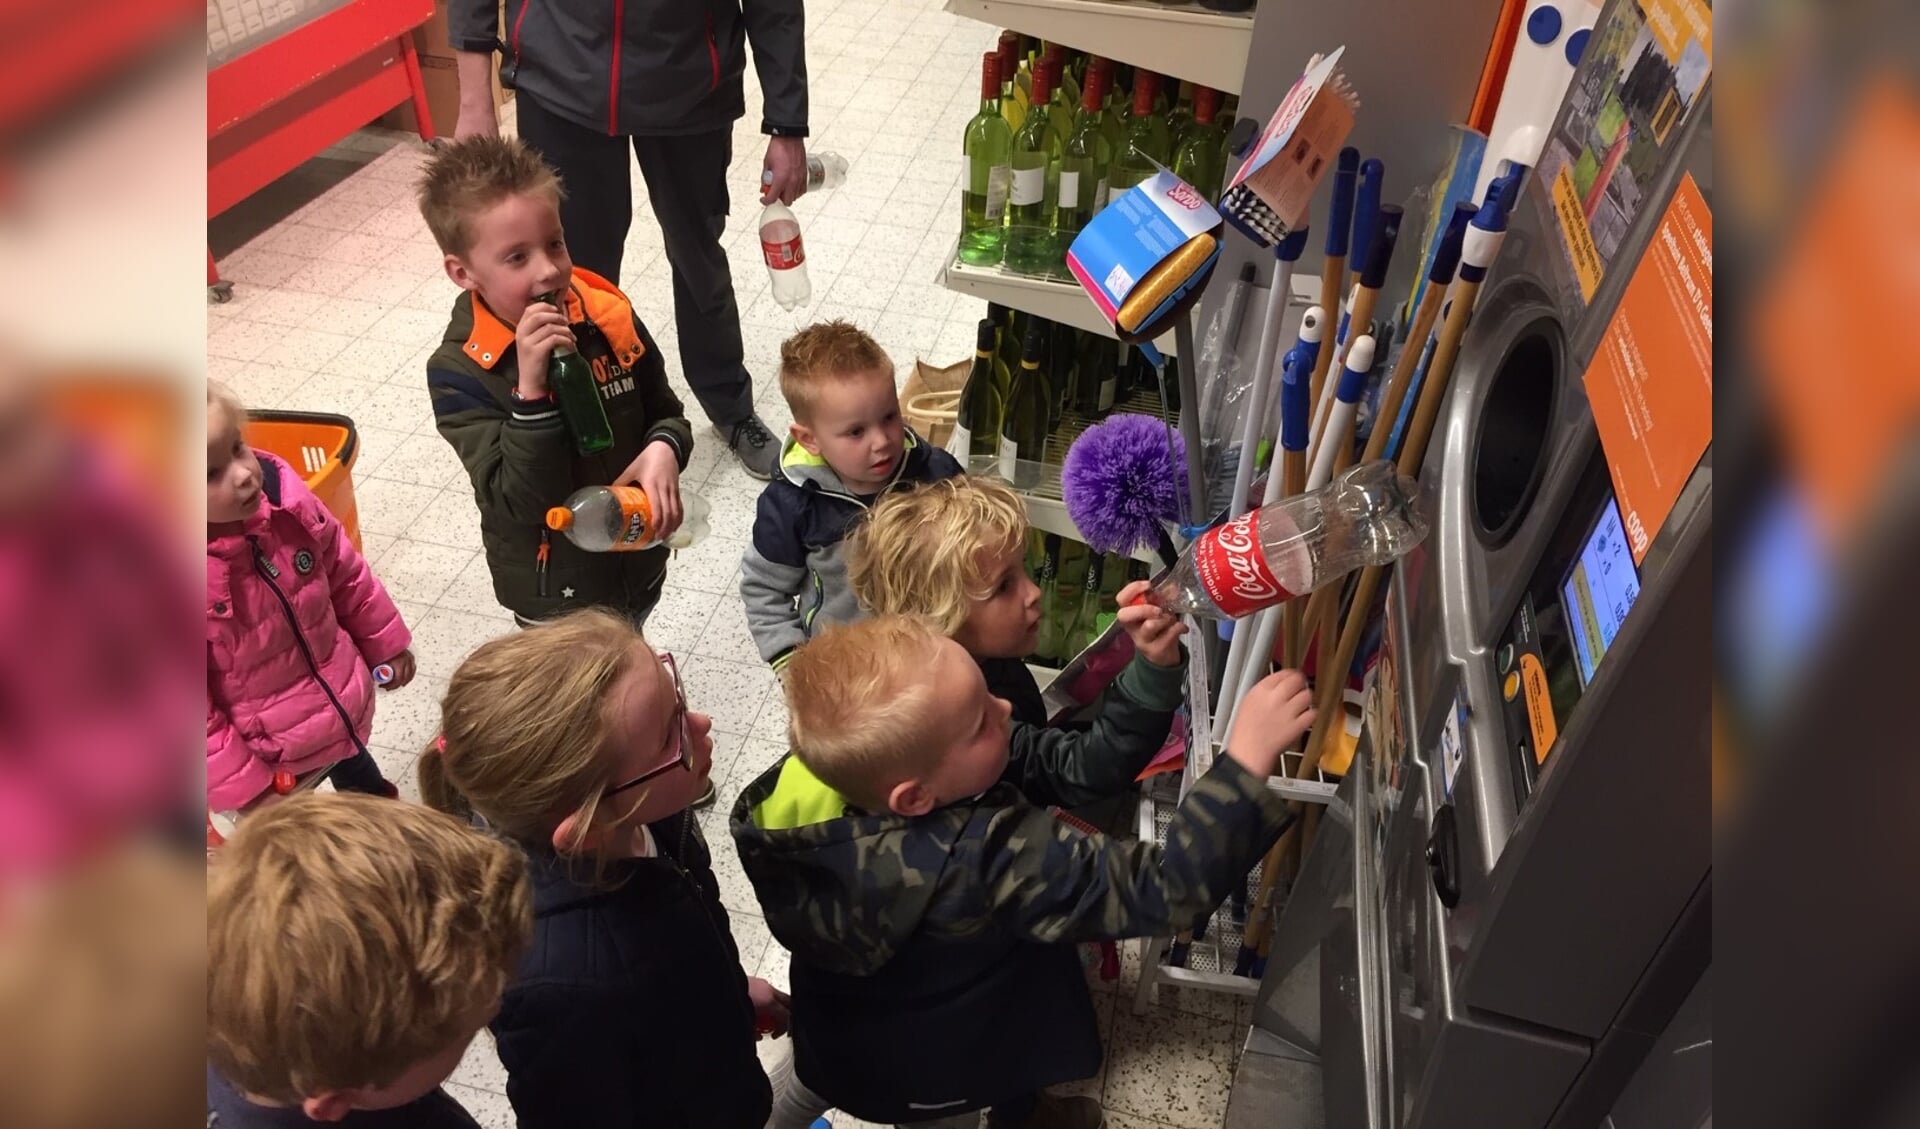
pixel 1123 480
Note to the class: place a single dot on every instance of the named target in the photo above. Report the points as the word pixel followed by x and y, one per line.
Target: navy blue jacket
pixel 631 1008
pixel 793 577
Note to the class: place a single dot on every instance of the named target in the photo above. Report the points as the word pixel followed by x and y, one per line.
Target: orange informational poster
pixel 1651 380
pixel 1833 325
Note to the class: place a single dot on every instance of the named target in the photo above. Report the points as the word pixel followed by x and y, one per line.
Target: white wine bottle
pixel 1031 249
pixel 976 431
pixel 988 176
pixel 1023 430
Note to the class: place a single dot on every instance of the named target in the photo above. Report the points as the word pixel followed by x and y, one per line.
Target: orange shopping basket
pixel 319 445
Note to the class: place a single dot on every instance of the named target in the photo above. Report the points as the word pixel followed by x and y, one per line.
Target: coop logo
pixel 1184 195
pixel 1233 569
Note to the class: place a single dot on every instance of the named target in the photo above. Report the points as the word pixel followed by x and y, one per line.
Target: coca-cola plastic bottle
pixel 1272 554
pixel 780 243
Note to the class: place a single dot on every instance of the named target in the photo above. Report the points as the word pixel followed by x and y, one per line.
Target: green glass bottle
pixel 1083 172
pixel 1180 118
pixel 1147 143
pixel 1006 359
pixel 988 146
pixel 1197 161
pixel 976 430
pixel 1013 106
pixel 571 381
pixel 1031 247
pixel 1068 584
pixel 1086 624
pixel 1063 364
pixel 1046 648
pixel 1023 429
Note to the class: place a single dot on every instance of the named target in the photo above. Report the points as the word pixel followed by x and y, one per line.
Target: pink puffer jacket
pixel 295 623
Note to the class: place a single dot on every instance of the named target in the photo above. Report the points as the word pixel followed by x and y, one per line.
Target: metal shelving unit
pixel 1209 48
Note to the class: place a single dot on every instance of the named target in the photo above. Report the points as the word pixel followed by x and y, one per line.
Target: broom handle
pixel 1190 418
pixel 1412 454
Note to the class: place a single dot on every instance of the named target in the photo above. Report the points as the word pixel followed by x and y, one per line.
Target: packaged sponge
pixel 1146 258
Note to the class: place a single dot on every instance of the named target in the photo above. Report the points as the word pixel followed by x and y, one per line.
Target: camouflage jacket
pixel 941 927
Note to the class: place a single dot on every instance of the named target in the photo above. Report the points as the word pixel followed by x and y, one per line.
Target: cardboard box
pixel 438 75
pixel 1143 228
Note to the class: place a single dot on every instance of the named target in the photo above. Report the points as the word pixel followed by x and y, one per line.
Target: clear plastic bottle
pixel 780 242
pixel 618 519
pixel 1274 553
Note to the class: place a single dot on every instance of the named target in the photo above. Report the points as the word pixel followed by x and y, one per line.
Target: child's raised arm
pixel 1049 882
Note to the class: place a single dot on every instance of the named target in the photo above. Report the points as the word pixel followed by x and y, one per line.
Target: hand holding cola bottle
pixel 1269 555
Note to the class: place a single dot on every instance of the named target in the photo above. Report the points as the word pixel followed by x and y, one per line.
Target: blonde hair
pixel 351 938
pixel 823 353
pixel 468 177
pixel 858 698
pixel 928 551
pixel 220 394
pixel 524 726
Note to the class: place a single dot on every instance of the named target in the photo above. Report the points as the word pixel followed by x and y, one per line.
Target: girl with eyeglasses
pixel 573 739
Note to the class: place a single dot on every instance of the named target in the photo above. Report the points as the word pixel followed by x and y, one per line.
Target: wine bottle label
pixel 960 443
pixel 1231 565
pixel 1029 185
pixel 999 182
pixel 784 255
pixel 1100 194
pixel 1069 188
pixel 1009 457
pixel 1107 388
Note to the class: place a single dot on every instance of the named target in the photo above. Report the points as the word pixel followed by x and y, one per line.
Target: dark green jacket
pixel 928 973
pixel 521 458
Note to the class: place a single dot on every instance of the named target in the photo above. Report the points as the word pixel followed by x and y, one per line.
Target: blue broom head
pixel 1122 482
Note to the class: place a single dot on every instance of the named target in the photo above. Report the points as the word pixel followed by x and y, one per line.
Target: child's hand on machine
pixel 1155 632
pixel 1275 713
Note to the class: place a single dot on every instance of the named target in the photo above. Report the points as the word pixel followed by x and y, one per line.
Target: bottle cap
pixel 560 518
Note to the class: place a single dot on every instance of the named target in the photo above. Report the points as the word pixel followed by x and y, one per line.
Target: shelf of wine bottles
pixel 1182 40
pixel 1060 135
pixel 1034 387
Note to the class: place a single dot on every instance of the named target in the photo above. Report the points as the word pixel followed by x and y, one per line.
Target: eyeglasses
pixel 679 735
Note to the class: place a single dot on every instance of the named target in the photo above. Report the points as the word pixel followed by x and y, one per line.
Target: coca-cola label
pixel 1232 568
pixel 784 255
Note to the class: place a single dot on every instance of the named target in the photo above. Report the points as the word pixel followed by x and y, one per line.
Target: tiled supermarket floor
pixel 339 298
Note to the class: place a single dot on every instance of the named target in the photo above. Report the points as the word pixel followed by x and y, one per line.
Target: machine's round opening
pixel 1511 441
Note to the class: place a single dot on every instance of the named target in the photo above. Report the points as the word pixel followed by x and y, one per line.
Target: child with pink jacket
pixel 296 622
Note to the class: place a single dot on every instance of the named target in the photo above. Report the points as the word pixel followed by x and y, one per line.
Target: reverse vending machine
pixel 1505 918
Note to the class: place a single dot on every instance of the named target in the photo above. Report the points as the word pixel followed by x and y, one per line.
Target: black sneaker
pixel 706 798
pixel 756 448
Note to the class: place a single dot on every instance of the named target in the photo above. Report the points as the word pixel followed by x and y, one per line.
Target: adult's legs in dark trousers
pixel 687 184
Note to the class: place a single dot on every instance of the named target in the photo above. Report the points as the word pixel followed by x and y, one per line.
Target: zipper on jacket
pixel 540 563
pixel 269 573
pixel 713 53
pixel 699 894
pixel 613 80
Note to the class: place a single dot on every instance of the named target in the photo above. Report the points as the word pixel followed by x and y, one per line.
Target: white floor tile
pixel 393 507
pixel 445 637
pixel 729 692
pixel 420 572
pixel 407 719
pixel 491 1110
pixel 422 457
